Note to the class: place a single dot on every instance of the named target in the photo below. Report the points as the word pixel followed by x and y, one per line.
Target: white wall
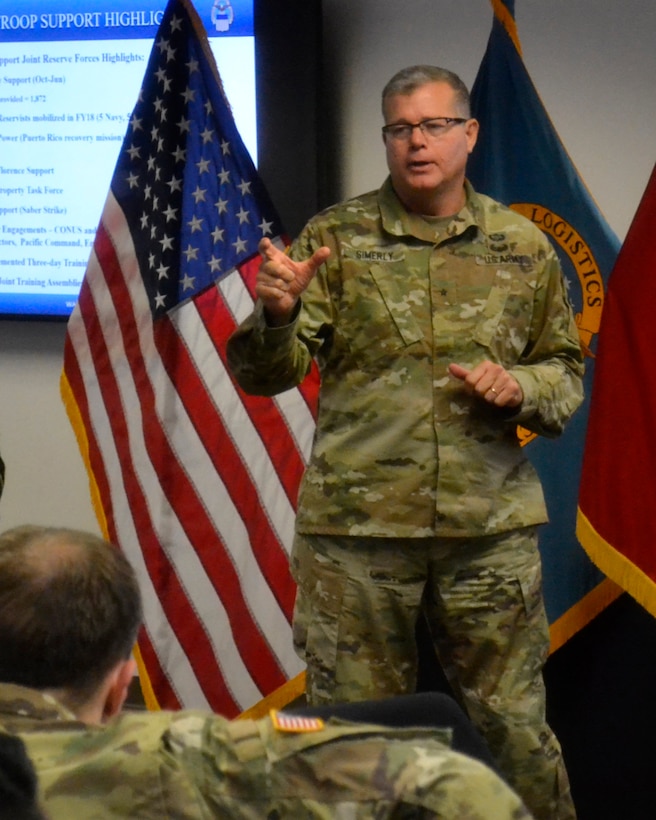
pixel 46 481
pixel 594 64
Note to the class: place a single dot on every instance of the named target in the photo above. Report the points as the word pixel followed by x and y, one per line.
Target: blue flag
pixel 520 161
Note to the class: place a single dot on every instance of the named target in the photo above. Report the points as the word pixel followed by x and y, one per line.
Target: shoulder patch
pixel 295 723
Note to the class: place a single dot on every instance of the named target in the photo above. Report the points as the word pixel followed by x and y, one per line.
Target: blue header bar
pixel 113 19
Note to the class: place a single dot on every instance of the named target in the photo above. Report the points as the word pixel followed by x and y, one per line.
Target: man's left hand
pixel 490 382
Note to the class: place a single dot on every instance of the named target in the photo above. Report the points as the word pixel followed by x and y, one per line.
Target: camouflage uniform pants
pixel 354 625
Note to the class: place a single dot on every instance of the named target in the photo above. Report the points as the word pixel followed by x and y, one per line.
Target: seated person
pixel 70 609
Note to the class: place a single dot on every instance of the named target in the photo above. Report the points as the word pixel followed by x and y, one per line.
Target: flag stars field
pixel 195 144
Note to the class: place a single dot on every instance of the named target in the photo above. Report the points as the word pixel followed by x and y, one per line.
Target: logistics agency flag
pixel 616 522
pixel 520 160
pixel 193 480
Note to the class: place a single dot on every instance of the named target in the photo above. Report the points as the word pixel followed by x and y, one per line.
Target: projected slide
pixel 69 80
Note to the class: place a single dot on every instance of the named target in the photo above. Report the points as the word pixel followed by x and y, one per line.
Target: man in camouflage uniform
pixel 439 321
pixel 69 613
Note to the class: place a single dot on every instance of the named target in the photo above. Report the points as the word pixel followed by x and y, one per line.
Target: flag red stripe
pixel 160 684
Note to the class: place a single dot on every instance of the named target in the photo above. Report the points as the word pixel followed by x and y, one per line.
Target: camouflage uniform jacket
pixel 400 449
pixel 184 765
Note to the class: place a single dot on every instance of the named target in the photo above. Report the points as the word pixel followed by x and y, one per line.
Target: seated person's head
pixel 70 609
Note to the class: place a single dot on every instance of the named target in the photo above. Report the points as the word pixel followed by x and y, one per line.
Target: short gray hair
pixel 409 79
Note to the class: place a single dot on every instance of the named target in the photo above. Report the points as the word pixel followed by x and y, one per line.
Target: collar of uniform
pixel 20 701
pixel 398 221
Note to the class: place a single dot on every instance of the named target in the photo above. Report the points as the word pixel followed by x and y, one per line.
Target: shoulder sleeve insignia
pixel 295 723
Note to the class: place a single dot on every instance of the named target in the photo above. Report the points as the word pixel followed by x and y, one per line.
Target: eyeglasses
pixel 435 127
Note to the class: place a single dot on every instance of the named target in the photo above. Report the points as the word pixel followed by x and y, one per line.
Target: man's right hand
pixel 280 281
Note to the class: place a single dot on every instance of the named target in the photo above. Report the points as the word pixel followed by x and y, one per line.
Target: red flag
pixel 616 522
pixel 193 480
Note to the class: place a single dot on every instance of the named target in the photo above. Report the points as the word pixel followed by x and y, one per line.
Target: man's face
pixel 428 172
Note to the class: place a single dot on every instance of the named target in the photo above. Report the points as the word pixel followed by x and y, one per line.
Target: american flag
pixel 193 480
